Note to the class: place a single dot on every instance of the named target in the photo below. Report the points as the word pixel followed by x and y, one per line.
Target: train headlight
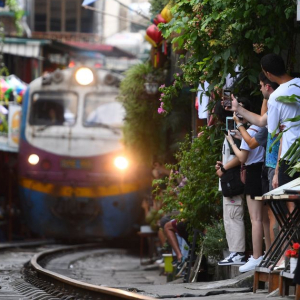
pixel 121 162
pixel 33 159
pixel 84 76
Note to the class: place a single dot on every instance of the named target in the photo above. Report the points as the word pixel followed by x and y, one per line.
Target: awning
pixel 23 47
pixel 106 50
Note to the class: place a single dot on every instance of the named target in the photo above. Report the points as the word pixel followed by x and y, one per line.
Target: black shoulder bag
pixel 231 182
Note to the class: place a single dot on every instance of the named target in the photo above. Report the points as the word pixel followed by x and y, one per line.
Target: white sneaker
pixel 159 261
pixel 251 264
pixel 234 258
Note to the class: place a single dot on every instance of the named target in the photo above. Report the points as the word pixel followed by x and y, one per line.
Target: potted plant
pixel 292 254
pixel 153 80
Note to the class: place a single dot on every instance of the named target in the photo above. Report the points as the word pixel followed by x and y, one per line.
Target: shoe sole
pixel 246 271
pixel 230 264
pixel 182 269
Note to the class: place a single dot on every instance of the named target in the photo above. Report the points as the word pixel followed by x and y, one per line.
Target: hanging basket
pixel 151 88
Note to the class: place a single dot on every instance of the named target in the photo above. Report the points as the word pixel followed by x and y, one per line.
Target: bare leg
pixel 255 211
pixel 172 239
pixel 272 224
pixel 161 237
pixel 266 227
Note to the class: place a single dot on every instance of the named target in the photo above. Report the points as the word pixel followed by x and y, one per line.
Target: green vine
pixel 221 35
pixel 18 14
pixel 142 123
pixel 157 6
pixel 199 199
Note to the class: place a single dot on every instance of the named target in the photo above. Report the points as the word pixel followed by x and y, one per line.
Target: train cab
pixel 73 173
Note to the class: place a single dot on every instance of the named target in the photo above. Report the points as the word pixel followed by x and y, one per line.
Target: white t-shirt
pixel 278 112
pixel 255 155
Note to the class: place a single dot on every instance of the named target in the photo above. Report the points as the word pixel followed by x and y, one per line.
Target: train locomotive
pixel 75 181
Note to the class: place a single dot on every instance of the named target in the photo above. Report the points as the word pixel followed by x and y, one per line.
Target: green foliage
pixel 14 7
pixel 3 124
pixel 223 34
pixel 153 218
pixel 169 93
pixel 142 123
pixel 199 200
pixel 146 132
pixel 157 6
pixel 214 241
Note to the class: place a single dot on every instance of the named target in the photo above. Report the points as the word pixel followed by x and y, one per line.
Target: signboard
pixel 14 120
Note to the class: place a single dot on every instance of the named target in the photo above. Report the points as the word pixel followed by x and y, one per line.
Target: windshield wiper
pixel 44 127
pixel 102 125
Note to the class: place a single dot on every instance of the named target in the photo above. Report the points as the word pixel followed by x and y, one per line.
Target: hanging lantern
pixel 159 19
pixel 166 13
pixel 148 39
pixel 154 34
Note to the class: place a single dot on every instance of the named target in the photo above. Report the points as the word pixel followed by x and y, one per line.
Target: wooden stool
pixel 145 235
pixel 263 275
pixel 285 281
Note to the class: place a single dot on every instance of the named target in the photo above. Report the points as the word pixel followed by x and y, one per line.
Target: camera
pixel 230 124
pixel 227 98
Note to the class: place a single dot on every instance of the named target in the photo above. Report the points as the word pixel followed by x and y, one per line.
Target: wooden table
pixel 289 233
pixel 150 236
pixel 285 281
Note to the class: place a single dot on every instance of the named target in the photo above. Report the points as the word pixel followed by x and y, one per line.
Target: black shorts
pixel 253 185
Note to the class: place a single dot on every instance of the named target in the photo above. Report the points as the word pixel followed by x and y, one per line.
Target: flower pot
pixel 293 264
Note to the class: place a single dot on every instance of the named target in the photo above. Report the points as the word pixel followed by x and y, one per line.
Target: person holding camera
pixel 233 203
pixel 253 160
pixel 263 138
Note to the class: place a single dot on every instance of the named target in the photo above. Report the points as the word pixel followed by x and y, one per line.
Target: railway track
pixel 35 280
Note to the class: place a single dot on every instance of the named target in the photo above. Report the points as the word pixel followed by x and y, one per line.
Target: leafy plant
pixel 199 199
pixel 214 241
pixel 18 14
pixel 142 123
pixel 228 37
pixel 146 133
pixel 157 6
pixel 168 94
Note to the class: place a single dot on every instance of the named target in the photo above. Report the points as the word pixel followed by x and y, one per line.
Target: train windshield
pixel 53 108
pixel 101 110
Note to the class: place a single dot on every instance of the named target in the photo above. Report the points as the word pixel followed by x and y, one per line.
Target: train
pixel 76 180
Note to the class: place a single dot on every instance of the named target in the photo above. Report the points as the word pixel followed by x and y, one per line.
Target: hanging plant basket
pixel 151 87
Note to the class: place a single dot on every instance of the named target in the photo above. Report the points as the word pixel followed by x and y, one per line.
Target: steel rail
pixel 91 289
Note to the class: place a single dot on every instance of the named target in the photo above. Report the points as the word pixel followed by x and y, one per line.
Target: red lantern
pixel 154 33
pixel 159 19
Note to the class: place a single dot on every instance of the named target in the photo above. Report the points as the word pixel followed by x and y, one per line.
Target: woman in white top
pixel 253 160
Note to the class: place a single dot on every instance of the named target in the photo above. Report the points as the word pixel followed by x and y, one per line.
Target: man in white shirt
pixel 274 68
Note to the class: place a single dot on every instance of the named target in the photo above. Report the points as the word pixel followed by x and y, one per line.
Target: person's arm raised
pixel 248 115
pixel 242 155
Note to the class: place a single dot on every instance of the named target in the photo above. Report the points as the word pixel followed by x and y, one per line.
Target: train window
pixel 102 109
pixel 53 108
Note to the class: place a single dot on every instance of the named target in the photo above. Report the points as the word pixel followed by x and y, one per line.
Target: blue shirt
pixel 271 157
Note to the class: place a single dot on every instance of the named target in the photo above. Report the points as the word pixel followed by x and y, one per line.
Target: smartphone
pixel 230 124
pixel 227 98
